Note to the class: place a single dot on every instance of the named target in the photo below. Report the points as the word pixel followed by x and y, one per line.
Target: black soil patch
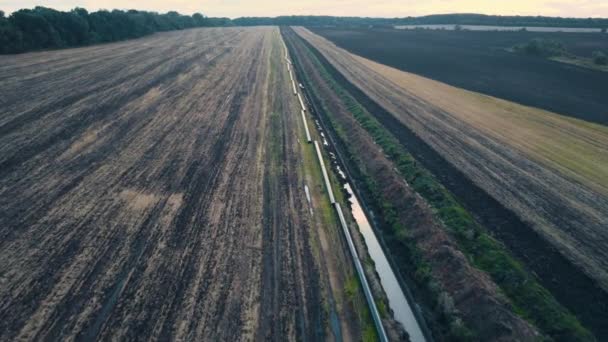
pixel 478 61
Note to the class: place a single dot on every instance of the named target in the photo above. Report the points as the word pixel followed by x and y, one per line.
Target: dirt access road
pixel 153 189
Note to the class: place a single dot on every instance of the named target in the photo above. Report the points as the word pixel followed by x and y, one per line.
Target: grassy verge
pixel 529 298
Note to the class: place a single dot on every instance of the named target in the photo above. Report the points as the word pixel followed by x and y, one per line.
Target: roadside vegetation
pixel 45 28
pixel 531 301
pixel 542 47
pixel 555 50
pixel 597 61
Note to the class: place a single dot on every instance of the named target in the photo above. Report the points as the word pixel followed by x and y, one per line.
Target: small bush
pixel 600 58
pixel 542 47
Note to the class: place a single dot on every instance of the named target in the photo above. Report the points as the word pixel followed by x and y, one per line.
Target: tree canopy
pixel 45 28
pixel 438 19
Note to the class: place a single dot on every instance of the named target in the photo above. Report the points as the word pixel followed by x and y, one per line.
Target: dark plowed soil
pixel 477 61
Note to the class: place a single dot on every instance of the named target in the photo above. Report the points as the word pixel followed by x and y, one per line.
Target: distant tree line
pixel 499 20
pixel 455 19
pixel 46 28
pixel 312 20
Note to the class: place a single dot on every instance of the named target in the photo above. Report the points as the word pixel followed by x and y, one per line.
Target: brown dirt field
pixel 153 190
pixel 550 170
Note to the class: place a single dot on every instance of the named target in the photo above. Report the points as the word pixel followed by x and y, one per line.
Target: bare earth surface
pixel 549 169
pixel 153 190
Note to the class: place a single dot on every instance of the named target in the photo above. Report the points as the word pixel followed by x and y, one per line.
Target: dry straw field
pixel 154 189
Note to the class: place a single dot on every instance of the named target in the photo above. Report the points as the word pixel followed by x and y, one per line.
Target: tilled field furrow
pixel 101 67
pixel 91 80
pixel 96 112
pixel 123 134
pixel 152 190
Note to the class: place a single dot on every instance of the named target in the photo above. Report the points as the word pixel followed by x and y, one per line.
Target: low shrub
pixel 542 47
pixel 600 58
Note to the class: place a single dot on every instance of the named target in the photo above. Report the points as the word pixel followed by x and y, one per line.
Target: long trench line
pixel 355 257
pixel 336 328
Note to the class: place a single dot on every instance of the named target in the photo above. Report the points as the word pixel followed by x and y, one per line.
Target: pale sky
pixel 372 8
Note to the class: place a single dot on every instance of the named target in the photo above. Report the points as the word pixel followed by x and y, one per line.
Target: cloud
pixel 582 8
